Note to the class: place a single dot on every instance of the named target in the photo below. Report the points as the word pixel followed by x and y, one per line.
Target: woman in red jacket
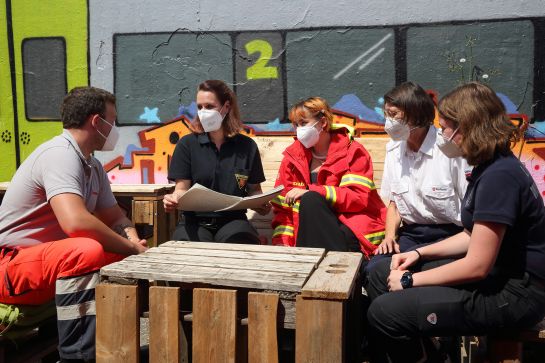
pixel 330 199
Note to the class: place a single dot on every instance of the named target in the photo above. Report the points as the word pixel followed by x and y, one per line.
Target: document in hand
pixel 201 199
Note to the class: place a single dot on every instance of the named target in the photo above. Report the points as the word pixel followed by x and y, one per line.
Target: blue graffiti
pixel 127 159
pixel 150 115
pixel 509 105
pixel 536 130
pixel 350 103
pixel 188 111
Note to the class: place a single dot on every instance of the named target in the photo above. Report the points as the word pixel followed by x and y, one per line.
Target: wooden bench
pixel 228 302
pixel 503 347
pixel 271 149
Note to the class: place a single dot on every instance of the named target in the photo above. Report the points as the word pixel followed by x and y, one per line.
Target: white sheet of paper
pixel 201 199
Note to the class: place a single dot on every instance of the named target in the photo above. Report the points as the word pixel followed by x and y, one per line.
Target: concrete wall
pixel 153 54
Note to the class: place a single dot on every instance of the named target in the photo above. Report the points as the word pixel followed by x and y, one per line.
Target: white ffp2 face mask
pixel 308 135
pixel 211 120
pixel 111 139
pixel 397 130
pixel 447 146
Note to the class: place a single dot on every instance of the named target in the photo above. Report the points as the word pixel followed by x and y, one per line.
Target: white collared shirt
pixel 426 186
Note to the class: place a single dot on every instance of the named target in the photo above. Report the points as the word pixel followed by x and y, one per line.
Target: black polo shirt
pixel 503 191
pixel 228 170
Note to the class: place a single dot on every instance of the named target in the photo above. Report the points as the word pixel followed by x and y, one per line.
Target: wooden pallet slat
pixel 262 328
pixel 117 323
pixel 165 332
pixel 214 326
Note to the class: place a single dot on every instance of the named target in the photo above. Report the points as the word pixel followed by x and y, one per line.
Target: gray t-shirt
pixel 55 167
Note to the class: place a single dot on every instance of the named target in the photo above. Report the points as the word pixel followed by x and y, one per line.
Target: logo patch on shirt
pixel 298 184
pixel 241 180
pixel 432 318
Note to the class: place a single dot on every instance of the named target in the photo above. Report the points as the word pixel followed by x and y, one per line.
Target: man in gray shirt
pixel 60 223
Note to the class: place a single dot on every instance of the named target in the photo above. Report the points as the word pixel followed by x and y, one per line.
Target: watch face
pixel 407 280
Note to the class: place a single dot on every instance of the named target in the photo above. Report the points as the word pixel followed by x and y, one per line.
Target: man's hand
pixel 294 195
pixel 141 245
pixel 394 280
pixel 170 201
pixel 388 245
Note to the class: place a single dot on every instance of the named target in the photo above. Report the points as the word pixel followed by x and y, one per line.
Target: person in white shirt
pixel 422 187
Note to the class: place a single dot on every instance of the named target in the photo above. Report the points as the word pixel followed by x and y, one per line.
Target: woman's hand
pixel 388 245
pixel 170 201
pixel 394 280
pixel 295 194
pixel 402 261
pixel 264 209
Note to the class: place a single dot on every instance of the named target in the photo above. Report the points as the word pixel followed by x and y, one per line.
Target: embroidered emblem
pixel 432 318
pixel 298 184
pixel 241 180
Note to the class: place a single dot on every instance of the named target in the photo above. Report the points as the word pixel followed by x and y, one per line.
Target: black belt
pixel 209 222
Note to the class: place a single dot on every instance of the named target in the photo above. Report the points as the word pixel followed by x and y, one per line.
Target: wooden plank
pixel 117 323
pixel 134 189
pixel 245 247
pixel 247 255
pixel 262 332
pixel 142 212
pixel 160 224
pixel 214 326
pixel 319 331
pixel 164 324
pixel 214 276
pixel 335 276
pixel 228 263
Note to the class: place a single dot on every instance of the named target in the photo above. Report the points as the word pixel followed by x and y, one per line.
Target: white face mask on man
pixel 447 146
pixel 211 120
pixel 398 130
pixel 111 139
pixel 308 135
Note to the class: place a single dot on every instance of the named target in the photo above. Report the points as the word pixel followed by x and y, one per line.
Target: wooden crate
pixel 239 297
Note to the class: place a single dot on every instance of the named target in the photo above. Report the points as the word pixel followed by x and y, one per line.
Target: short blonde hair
pixel 480 114
pixel 314 107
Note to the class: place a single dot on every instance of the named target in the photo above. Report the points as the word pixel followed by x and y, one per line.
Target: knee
pixel 83 255
pixel 311 200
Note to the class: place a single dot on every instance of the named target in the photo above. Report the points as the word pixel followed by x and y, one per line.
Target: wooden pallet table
pixel 227 287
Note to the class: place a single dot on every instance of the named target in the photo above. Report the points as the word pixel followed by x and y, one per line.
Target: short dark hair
pixel 416 103
pixel 82 102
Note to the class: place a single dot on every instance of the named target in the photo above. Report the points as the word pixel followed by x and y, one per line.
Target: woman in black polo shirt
pixel 488 277
pixel 218 157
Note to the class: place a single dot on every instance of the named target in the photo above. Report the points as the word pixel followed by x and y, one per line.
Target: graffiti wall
pixel 152 55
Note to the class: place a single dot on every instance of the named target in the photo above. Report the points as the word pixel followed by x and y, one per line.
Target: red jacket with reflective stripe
pixel 345 179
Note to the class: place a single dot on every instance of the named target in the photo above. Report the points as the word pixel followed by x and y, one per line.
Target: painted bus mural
pixel 153 57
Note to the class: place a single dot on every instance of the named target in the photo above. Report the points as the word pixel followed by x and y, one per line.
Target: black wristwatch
pixel 407 280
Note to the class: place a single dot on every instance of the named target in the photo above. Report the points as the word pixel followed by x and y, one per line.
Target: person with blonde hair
pixel 487 277
pixel 329 198
pixel 217 156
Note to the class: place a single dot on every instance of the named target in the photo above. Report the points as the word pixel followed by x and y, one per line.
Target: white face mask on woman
pixel 447 146
pixel 210 119
pixel 111 139
pixel 308 135
pixel 397 130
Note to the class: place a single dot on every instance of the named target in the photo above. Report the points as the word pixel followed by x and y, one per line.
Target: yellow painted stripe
pixel 330 194
pixel 283 230
pixel 281 201
pixel 375 238
pixel 357 179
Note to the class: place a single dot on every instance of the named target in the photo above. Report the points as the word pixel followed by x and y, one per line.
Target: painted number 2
pixel 260 69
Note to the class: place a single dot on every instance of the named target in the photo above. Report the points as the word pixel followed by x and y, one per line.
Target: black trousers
pixel 320 227
pixel 397 320
pixel 226 231
pixel 412 236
